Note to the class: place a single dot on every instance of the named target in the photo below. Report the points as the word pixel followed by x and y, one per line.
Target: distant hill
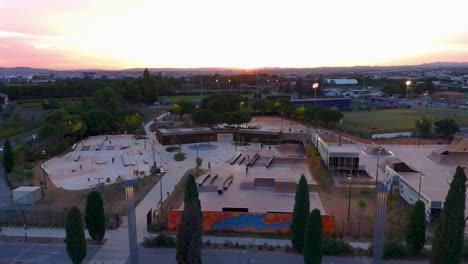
pixel 24 70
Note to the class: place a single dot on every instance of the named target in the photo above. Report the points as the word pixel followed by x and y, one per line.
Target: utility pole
pixel 99 181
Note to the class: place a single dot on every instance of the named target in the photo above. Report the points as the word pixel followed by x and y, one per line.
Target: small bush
pixel 155 228
pixel 207 243
pixel 236 245
pixel 335 247
pixel 162 240
pixel 271 248
pixel 180 156
pixel 260 247
pixel 391 249
pixel 172 149
pixel 394 250
pixel 243 246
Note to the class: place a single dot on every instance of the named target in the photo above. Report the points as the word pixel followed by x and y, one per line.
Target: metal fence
pixel 365 230
pixel 36 218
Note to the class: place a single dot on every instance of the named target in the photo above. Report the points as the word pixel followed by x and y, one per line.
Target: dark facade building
pixel 328 102
pixel 185 135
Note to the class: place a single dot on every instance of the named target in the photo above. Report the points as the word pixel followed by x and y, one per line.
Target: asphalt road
pixel 51 254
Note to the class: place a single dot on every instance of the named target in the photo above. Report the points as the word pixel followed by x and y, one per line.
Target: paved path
pixel 115 250
pixel 52 254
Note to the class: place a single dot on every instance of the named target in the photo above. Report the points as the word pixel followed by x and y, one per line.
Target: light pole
pixel 132 236
pixel 349 197
pixel 425 96
pixel 421 176
pixel 217 85
pixel 407 88
pixel 377 166
pixel 419 138
pixel 197 158
pixel 229 84
pixel 315 86
pixel 43 169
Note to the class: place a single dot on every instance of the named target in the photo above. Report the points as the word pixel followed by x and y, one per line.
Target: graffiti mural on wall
pixel 251 222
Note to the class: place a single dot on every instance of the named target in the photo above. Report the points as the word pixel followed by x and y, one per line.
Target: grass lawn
pixel 395 120
pixel 11 129
pixel 30 104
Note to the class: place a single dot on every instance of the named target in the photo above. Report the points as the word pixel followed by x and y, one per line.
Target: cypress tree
pixel 189 235
pixel 8 159
pixel 313 239
pixel 300 214
pixel 75 239
pixel 95 218
pixel 416 231
pixel 448 237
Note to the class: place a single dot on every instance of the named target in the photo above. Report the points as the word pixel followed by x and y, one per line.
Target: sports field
pixel 395 120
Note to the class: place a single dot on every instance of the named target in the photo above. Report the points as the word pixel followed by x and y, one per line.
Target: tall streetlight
pixel 315 86
pixel 379 152
pixel 349 197
pixel 229 81
pixel 419 138
pixel 421 176
pixel 217 84
pixel 425 96
pixel 198 145
pixel 407 88
pixel 43 169
pixel 132 236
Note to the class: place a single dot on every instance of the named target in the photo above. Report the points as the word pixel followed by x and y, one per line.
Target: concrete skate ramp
pixel 397 165
pixel 374 150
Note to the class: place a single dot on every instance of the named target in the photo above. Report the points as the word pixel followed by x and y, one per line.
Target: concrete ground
pixel 119 155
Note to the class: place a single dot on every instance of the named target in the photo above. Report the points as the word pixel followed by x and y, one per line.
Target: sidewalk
pixel 119 237
pixel 43 232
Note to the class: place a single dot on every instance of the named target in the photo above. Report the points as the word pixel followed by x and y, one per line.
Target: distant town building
pixel 454 96
pixel 340 81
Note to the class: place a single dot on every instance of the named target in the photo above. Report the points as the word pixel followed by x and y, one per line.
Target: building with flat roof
pixel 185 135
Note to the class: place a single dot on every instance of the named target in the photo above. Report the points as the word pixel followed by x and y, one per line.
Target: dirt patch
pixel 57 199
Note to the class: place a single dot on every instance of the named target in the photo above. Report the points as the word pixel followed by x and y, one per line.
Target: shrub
pixel 391 249
pixel 172 149
pixel 335 247
pixel 180 156
pixel 394 250
pixel 161 240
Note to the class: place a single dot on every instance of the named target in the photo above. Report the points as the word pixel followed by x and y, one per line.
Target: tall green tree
pixel 189 235
pixel 313 239
pixel 300 214
pixel 448 237
pixel 8 157
pixel 424 125
pixel 446 127
pixel 95 218
pixel 416 231
pixel 75 238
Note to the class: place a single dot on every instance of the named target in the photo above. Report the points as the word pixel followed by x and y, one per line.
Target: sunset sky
pixel 117 34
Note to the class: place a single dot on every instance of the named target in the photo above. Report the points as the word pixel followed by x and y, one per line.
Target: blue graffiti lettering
pixel 248 220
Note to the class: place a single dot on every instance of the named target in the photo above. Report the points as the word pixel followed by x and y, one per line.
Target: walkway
pixel 116 249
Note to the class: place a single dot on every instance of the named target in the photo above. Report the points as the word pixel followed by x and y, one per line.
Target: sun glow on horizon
pixel 234 34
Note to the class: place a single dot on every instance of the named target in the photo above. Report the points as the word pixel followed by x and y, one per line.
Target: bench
pixel 234 159
pixel 242 160
pixel 225 183
pixel 213 179
pixel 253 160
pixel 203 178
pixel 270 161
pixel 78 158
